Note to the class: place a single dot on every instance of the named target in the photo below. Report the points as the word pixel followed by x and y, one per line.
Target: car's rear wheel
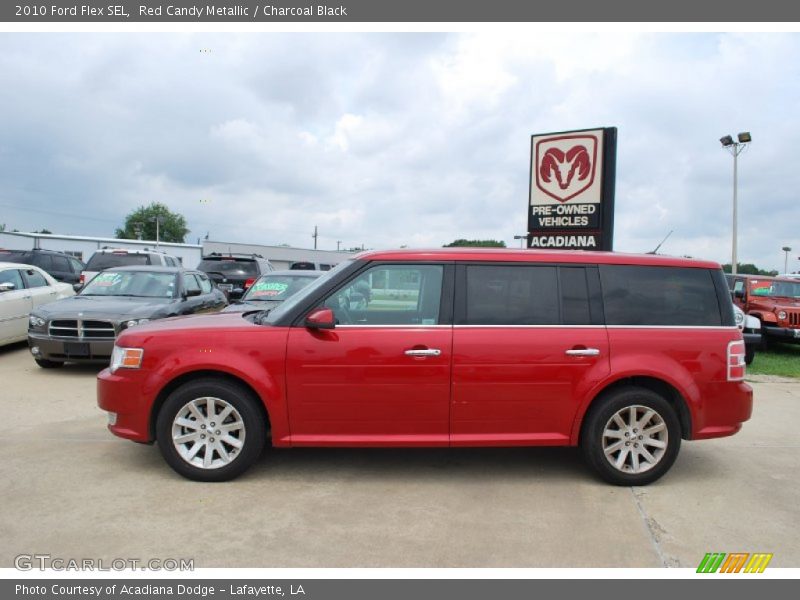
pixel 48 364
pixel 210 430
pixel 631 437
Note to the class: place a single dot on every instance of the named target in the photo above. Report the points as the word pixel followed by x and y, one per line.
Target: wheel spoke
pixel 188 437
pixel 211 411
pixel 621 458
pixel 224 414
pixel 207 456
pixel 232 441
pixel 647 456
pixel 188 423
pixel 613 433
pixel 632 416
pixel 654 429
pixel 645 419
pixel 194 450
pixel 223 454
pixel 635 461
pixel 614 447
pixel 618 420
pixel 230 427
pixel 654 442
pixel 196 412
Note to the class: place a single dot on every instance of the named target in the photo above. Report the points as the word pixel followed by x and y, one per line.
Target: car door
pixel 40 289
pixel 528 343
pixel 211 301
pixel 15 306
pixel 191 303
pixel 382 375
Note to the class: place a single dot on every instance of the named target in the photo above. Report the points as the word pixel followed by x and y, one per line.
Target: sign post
pixel 571 200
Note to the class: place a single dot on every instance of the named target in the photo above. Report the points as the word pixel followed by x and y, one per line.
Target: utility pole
pixel 315 237
pixel 735 148
pixel 338 243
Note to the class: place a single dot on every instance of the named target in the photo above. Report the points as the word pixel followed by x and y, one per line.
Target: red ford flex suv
pixel 622 355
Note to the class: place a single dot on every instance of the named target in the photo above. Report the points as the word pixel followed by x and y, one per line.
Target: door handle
pixel 583 352
pixel 425 352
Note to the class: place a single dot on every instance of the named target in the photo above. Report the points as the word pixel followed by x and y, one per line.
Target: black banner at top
pixel 397 11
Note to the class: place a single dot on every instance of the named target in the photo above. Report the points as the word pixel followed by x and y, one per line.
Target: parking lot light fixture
pixel 735 148
pixel 786 250
pixel 521 239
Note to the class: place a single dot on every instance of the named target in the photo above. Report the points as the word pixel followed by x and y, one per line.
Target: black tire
pixel 254 433
pixel 749 354
pixel 599 417
pixel 48 364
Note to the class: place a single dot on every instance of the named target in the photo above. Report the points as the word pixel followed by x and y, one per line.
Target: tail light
pixel 83 278
pixel 736 365
pixel 249 282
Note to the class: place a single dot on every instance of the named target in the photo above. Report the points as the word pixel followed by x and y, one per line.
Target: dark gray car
pixel 83 328
pixel 273 288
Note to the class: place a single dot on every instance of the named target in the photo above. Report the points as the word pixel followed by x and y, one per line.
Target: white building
pixel 82 247
pixel 281 257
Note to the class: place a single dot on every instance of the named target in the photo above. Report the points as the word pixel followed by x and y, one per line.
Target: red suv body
pixel 623 355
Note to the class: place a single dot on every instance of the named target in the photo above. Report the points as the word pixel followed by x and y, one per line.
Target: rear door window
pixel 12 276
pixel 511 295
pixel 666 296
pixel 60 264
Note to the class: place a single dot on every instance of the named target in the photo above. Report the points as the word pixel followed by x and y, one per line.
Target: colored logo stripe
pixel 734 563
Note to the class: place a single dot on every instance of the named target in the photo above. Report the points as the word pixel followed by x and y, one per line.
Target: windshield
pixel 141 284
pixel 276 287
pixel 106 260
pixel 784 289
pixel 299 297
pixel 246 267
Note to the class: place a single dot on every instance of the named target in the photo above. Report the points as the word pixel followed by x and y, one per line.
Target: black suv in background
pixel 60 266
pixel 234 273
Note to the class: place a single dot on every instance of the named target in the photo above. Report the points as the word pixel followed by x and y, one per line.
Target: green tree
pixel 172 227
pixel 43 230
pixel 460 243
pixel 748 269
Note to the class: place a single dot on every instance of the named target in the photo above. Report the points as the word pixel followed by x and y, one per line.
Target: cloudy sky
pixel 397 139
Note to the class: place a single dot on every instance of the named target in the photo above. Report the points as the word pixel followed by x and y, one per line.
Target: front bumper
pixel 71 350
pixel 784 334
pixel 123 394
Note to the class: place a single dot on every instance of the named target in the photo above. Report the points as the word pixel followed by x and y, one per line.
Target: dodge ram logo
pixel 565 165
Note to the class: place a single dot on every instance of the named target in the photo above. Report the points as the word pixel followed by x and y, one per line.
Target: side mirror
pixel 739 294
pixel 7 287
pixel 321 318
pixel 194 292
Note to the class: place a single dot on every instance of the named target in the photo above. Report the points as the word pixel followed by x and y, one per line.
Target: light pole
pixel 786 249
pixel 521 238
pixel 735 148
pixel 158 220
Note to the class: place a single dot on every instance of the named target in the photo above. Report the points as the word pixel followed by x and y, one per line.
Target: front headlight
pixel 781 314
pixel 126 358
pixel 133 322
pixel 34 322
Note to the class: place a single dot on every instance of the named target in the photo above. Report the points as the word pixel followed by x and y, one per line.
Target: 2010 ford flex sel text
pixel 622 355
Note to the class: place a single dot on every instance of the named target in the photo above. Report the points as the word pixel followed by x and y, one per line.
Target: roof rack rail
pixel 234 254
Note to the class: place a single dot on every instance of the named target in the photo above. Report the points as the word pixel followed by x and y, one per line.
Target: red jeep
pixel 775 301
pixel 622 355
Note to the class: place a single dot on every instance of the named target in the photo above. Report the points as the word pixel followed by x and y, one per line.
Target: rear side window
pixel 60 264
pixel 16 257
pixel 106 260
pixel 77 266
pixel 670 296
pixel 205 284
pixel 512 295
pixel 43 261
pixel 34 279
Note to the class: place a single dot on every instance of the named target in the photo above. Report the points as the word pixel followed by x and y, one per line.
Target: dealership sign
pixel 571 204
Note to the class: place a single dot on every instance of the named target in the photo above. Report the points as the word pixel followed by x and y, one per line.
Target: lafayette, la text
pixel 210 10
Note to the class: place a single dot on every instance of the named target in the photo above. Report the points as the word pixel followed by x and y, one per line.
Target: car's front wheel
pixel 631 437
pixel 210 430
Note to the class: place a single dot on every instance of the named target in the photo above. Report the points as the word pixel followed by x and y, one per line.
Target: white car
pixel 23 288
